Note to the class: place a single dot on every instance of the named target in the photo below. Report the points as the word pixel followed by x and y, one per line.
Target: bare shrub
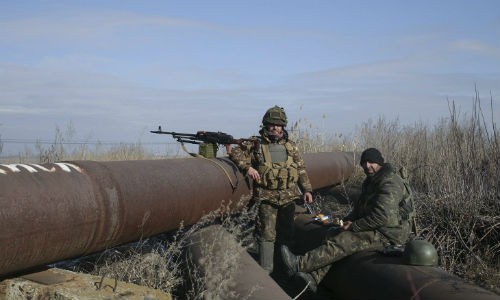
pixel 56 151
pixel 312 139
pixel 153 262
pixel 159 262
pixel 124 152
pixel 1 144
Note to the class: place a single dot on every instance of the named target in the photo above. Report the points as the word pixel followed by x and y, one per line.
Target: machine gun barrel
pixel 199 137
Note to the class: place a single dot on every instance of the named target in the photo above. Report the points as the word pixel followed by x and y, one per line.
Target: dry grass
pixel 454 170
pixel 161 262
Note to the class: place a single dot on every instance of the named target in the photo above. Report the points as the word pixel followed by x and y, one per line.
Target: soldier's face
pixel 275 130
pixel 370 168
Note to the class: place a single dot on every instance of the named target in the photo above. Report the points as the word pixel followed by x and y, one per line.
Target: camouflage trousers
pixel 275 222
pixel 318 261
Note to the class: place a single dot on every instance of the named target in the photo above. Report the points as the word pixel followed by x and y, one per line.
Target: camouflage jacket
pixel 378 207
pixel 250 155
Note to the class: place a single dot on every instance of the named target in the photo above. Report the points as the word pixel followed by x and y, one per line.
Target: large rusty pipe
pixel 229 272
pixel 325 168
pixel 371 275
pixel 53 212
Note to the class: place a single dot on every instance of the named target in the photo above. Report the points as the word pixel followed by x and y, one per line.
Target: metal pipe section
pixel 371 275
pixel 229 272
pixel 53 212
pixel 326 169
pixel 387 277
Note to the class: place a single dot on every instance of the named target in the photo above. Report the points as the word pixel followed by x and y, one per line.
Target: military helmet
pixel 420 253
pixel 275 115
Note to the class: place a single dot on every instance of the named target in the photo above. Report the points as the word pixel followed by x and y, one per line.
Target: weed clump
pixel 161 261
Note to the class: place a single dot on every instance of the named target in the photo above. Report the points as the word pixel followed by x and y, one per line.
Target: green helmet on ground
pixel 276 116
pixel 420 253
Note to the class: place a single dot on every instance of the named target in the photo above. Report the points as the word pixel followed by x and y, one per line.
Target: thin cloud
pixel 81 27
pixel 85 24
pixel 117 72
pixel 475 47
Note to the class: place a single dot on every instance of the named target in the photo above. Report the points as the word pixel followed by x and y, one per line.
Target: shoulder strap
pixel 289 148
pixel 266 153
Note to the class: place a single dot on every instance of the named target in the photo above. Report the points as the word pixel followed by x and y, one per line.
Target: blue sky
pixel 117 69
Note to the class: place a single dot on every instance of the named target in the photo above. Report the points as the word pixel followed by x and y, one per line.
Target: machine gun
pixel 209 141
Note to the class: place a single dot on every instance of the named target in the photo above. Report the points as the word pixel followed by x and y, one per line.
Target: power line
pixel 45 142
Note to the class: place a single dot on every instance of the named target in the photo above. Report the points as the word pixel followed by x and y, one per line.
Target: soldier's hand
pixel 308 198
pixel 254 174
pixel 347 225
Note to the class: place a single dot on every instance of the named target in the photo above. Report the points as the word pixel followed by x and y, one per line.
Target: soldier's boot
pixel 302 279
pixel 266 256
pixel 289 260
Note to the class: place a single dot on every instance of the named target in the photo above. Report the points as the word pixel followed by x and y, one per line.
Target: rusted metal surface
pixel 47 212
pixel 229 271
pixel 381 276
pixel 58 211
pixel 386 277
pixel 329 168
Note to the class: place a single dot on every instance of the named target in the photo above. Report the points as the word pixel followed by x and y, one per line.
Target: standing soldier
pixel 382 216
pixel 277 170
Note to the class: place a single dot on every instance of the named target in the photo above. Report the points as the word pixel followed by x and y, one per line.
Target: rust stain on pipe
pixel 53 212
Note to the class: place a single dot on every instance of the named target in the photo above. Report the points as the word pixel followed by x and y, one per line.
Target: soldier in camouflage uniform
pixel 279 177
pixel 379 218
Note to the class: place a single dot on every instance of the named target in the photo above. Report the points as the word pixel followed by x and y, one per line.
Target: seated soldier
pixel 378 218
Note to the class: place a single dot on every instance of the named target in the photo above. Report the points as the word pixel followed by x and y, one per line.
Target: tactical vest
pixel 278 171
